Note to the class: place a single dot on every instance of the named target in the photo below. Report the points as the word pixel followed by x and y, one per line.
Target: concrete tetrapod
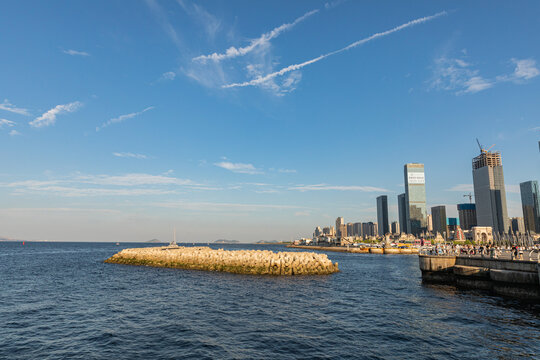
pixel 257 262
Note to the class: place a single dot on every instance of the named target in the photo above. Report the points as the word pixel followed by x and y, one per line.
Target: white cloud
pixel 238 167
pixel 262 40
pixel 14 133
pixel 458 75
pixel 333 4
pixel 476 84
pixel 326 187
pixel 6 123
pixel 130 155
pixel 7 106
pixel 263 79
pixel 75 52
pixel 49 118
pixel 123 118
pixel 525 69
pixel 169 75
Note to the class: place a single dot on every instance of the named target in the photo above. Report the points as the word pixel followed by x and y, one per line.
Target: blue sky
pixel 254 120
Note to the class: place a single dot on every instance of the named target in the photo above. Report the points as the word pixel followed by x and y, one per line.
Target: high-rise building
pixel 369 229
pixel 382 215
pixel 429 223
pixel 395 227
pixel 340 226
pixel 530 201
pixel 318 232
pixel 402 213
pixel 489 191
pixel 518 225
pixel 451 225
pixel 350 229
pixel 467 215
pixel 358 229
pixel 415 198
pixel 438 215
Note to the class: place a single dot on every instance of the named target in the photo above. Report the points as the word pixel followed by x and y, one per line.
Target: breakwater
pixel 358 250
pixel 513 278
pixel 257 262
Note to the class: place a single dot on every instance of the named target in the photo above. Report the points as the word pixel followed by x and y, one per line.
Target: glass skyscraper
pixel 415 198
pixel 402 204
pixel 530 201
pixel 382 215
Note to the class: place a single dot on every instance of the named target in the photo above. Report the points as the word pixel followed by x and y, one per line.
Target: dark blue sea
pixel 60 301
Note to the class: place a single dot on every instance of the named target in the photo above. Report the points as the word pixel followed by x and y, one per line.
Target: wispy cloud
pixel 169 75
pixel 6 123
pixel 525 69
pixel 49 118
pixel 163 20
pixel 79 185
pixel 287 171
pixel 7 106
pixel 75 52
pixel 211 25
pixel 326 187
pixel 333 4
pixel 238 167
pixel 262 79
pixel 262 40
pixel 130 155
pixel 462 188
pixel 220 207
pixel 514 189
pixel 455 74
pixel 14 133
pixel 122 118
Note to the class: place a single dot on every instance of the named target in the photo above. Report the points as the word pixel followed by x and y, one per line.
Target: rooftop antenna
pixel 470 196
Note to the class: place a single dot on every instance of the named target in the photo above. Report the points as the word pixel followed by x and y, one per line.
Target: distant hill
pixel 154 241
pixel 225 241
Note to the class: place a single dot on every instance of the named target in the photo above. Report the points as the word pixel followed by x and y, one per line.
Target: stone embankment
pixel 258 262
pixel 513 278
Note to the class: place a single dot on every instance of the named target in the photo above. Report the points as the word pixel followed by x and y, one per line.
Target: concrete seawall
pixel 357 250
pixel 255 262
pixel 513 278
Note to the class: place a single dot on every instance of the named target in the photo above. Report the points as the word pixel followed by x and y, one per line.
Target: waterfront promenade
pixel 502 276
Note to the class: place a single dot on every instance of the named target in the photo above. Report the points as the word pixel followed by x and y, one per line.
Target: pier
pixel 255 262
pixel 506 277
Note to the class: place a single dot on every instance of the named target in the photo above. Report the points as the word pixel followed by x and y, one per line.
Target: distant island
pixel 225 241
pixel 271 242
pixel 154 241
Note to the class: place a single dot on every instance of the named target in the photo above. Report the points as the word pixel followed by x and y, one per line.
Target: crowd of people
pixel 488 250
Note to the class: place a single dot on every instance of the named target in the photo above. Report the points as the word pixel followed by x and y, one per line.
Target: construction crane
pixel 482 150
pixel 470 196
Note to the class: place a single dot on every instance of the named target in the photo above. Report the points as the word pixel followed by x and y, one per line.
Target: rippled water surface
pixel 59 300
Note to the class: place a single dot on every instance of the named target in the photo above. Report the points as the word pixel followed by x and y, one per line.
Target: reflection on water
pixel 60 300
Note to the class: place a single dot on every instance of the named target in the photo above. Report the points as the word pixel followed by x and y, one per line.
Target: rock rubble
pixel 257 262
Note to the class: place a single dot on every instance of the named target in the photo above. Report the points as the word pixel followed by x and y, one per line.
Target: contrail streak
pixel 262 79
pixel 233 52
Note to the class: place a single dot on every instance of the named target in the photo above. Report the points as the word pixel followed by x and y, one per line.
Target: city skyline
pixel 212 118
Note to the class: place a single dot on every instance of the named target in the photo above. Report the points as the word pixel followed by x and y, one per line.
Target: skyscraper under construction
pixel 489 191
